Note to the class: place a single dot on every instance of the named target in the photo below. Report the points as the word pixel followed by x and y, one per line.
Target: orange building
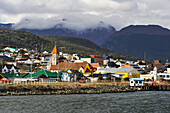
pixel 127 66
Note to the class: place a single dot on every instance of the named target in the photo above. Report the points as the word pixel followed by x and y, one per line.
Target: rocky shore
pixel 58 89
pixel 62 89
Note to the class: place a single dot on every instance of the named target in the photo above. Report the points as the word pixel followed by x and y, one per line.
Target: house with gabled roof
pixel 89 69
pixel 13 75
pixel 98 58
pixel 88 59
pixel 43 74
pixel 67 66
pixel 10 68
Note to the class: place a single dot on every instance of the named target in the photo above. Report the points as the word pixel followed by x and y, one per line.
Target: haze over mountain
pixel 149 41
pixel 97 32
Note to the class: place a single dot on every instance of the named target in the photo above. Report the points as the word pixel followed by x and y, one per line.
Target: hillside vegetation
pixel 23 39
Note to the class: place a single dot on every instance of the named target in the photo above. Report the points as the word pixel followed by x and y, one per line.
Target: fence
pixel 57 82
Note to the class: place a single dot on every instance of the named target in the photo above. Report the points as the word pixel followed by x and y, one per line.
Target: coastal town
pixel 23 65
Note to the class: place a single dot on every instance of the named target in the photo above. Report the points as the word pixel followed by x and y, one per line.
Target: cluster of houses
pixel 22 64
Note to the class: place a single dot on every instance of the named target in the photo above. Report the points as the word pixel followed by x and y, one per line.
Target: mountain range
pixel 97 34
pixel 143 41
pixel 72 45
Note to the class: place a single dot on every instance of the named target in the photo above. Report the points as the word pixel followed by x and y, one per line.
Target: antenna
pixel 144 55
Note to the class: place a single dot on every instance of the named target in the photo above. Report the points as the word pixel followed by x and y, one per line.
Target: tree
pixel 78 78
pixel 108 78
pixel 100 77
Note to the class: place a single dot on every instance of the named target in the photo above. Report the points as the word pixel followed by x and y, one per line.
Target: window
pixel 4 70
pixel 131 81
pixel 12 71
pixel 167 76
pixel 136 82
pixel 140 82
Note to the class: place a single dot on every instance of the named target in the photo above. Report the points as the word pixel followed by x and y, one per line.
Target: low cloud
pixel 81 14
pixel 75 22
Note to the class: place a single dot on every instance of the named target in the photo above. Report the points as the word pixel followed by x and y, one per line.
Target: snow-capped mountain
pixel 97 33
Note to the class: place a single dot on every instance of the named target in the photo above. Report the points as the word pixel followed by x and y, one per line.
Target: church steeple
pixel 55 50
pixel 55 54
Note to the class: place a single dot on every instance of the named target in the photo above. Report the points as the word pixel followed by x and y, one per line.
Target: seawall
pixel 57 89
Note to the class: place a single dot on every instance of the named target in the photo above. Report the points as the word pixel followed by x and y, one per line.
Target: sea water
pixel 131 102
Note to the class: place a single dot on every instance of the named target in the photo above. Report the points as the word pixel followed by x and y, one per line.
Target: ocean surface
pixel 131 102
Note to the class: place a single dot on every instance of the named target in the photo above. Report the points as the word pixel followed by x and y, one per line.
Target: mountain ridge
pixel 72 45
pixel 152 40
pixel 97 34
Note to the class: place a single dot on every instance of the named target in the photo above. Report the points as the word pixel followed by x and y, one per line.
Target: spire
pixel 55 50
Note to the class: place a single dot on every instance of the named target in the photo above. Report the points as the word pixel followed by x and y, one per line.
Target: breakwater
pixel 74 89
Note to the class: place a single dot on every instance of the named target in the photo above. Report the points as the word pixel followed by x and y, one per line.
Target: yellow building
pixel 124 73
pixel 128 73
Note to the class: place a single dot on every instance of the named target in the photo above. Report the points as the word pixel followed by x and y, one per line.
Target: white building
pixel 10 69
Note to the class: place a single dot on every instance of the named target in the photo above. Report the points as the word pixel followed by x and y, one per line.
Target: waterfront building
pixel 136 82
pixel 124 73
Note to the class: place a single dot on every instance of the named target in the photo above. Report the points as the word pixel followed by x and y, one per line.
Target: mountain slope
pixel 152 41
pixel 97 34
pixel 71 44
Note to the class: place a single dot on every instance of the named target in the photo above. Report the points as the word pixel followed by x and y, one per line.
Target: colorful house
pixel 88 59
pixel 88 70
pixel 64 66
pixel 137 82
pixel 128 73
pixel 124 73
pixel 11 76
pixel 127 66
pixel 66 77
pixel 98 58
pixel 43 74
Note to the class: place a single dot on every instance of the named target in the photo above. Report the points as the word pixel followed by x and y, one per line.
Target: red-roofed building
pixel 98 58
pixel 68 66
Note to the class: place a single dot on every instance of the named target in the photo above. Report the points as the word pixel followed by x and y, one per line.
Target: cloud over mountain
pixel 85 13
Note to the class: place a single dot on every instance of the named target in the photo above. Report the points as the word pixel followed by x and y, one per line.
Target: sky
pixel 84 13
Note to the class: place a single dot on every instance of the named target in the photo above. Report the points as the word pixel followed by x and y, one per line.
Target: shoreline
pixel 67 89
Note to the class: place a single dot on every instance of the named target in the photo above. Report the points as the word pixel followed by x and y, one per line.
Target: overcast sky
pixel 85 13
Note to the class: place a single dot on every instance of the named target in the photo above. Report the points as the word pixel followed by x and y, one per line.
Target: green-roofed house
pixel 88 59
pixel 11 76
pixel 43 74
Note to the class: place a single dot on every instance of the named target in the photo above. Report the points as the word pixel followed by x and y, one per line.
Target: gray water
pixel 132 102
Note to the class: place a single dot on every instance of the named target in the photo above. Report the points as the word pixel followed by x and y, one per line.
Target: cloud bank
pixel 43 14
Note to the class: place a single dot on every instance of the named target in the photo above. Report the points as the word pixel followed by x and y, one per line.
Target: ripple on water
pixel 133 102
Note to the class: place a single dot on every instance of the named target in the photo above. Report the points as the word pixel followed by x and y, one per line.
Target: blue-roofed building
pixel 136 82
